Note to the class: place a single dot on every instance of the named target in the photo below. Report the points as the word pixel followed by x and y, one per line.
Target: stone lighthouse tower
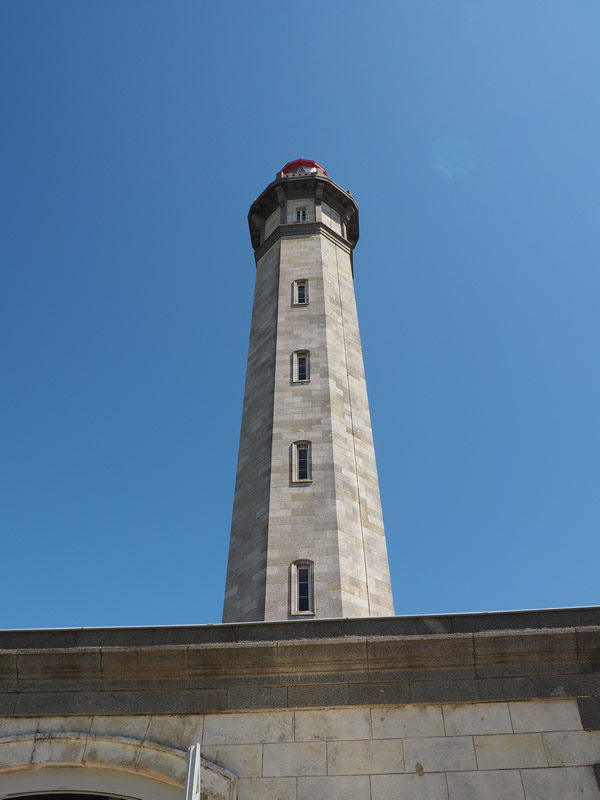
pixel 307 536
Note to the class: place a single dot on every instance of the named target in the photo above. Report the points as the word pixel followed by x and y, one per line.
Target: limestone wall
pixel 523 750
pixel 246 570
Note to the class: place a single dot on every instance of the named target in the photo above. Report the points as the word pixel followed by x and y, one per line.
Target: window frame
pixel 296 285
pixel 305 446
pixel 295 567
pixel 296 356
pixel 300 212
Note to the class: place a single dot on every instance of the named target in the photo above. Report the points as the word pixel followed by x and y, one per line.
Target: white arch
pixel 81 762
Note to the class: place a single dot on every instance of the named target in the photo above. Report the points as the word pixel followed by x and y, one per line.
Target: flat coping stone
pixel 291 630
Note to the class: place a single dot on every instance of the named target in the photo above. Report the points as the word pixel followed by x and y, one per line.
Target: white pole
pixel 192 778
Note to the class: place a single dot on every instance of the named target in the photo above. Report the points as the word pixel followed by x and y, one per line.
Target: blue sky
pixel 136 134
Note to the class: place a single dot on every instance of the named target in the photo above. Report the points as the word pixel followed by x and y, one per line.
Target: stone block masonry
pixel 319 708
pixel 530 750
pixel 304 230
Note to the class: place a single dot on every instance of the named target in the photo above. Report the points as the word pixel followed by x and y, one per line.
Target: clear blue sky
pixel 134 137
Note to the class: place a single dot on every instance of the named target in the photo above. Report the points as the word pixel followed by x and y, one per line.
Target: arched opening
pixel 68 783
pixel 69 796
pixel 77 766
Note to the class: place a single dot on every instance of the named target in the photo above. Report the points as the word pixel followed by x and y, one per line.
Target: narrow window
pixel 301 366
pixel 302 588
pixel 301 462
pixel 300 293
pixel 301 215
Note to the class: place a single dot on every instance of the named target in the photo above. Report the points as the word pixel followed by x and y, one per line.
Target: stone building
pixel 311 689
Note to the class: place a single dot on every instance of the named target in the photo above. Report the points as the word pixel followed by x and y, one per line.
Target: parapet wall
pixel 318 663
pixel 459 707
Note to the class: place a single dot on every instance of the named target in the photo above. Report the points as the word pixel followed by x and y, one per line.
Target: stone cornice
pixel 292 630
pixel 113 675
pixel 300 229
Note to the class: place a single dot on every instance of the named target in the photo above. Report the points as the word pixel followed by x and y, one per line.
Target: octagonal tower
pixel 307 536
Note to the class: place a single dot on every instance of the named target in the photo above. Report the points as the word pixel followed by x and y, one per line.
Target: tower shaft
pixel 307 535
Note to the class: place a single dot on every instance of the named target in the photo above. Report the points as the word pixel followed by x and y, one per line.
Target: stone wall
pixel 529 750
pixel 246 570
pixel 523 750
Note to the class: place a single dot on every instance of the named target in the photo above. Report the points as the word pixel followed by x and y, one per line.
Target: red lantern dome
pixel 303 166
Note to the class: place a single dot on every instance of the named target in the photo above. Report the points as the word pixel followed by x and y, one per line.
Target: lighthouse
pixel 307 537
